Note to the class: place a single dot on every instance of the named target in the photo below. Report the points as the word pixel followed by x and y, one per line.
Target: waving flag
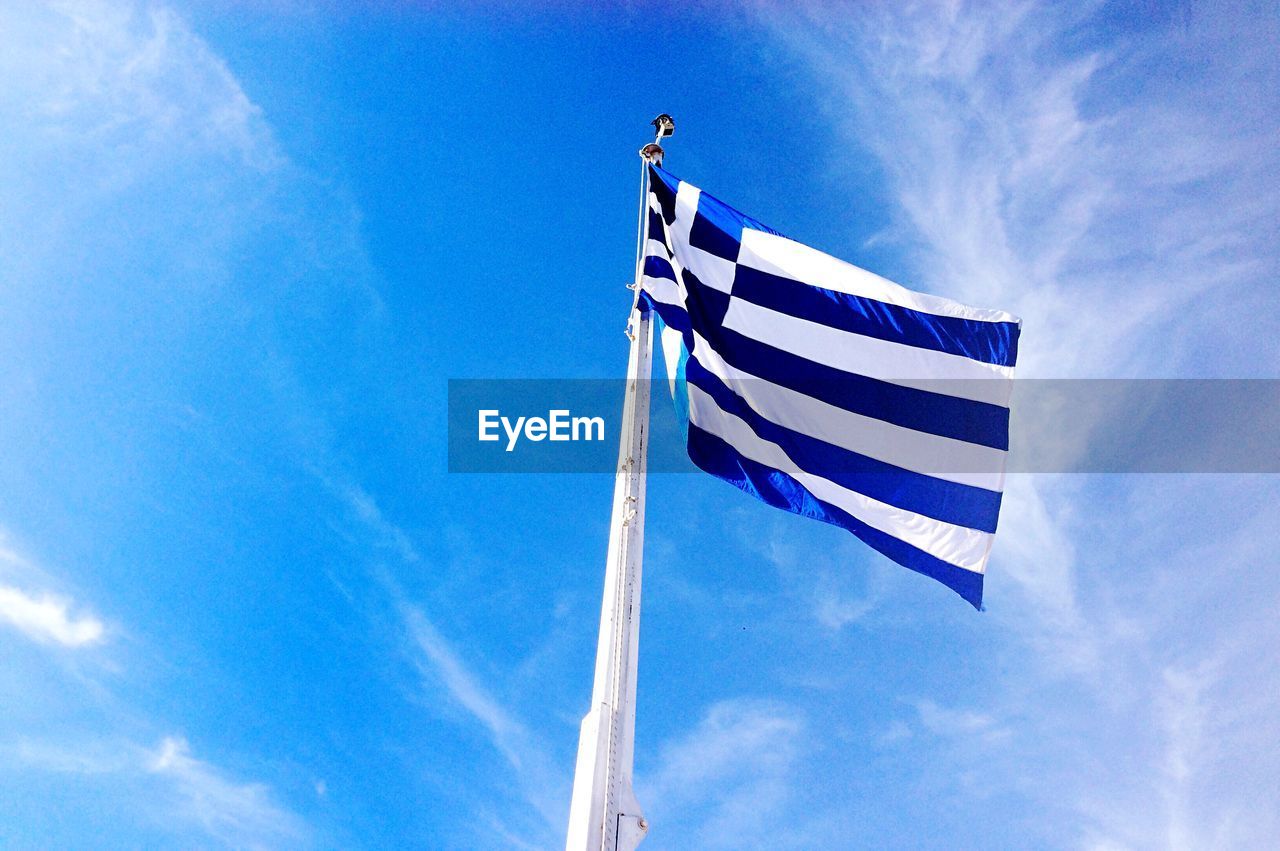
pixel 831 392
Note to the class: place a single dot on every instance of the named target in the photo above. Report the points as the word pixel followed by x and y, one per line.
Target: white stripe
pixel 686 207
pixel 656 248
pixel 898 363
pixel 664 290
pixel 715 272
pixel 965 548
pixel 778 255
pixel 929 454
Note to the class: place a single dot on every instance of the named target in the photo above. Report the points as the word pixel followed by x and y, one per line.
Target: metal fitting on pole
pixel 663 127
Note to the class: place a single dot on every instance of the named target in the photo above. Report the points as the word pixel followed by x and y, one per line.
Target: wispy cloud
pixel 820 581
pixel 153 174
pixel 43 616
pixel 46 618
pixel 366 511
pixel 533 773
pixel 168 785
pixel 238 813
pixel 1113 182
pixel 942 721
pixel 1027 177
pixel 507 734
pixel 725 783
pixel 451 680
pixel 128 77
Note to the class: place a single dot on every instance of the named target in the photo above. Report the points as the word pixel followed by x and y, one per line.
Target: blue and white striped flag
pixel 823 389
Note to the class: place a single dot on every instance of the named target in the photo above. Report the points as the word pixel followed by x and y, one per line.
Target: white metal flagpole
pixel 604 814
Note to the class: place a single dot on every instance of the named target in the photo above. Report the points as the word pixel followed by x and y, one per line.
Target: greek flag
pixel 831 392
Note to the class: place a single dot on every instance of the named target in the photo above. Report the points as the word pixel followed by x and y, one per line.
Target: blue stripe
pixel 706 305
pixel 920 410
pixel 780 490
pixel 657 228
pixel 988 342
pixel 673 315
pixel 723 239
pixel 717 229
pixel 950 502
pixel 658 267
pixel 724 217
pixel 910 407
pixel 664 186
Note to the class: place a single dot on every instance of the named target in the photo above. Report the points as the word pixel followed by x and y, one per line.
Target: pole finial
pixel 653 153
pixel 664 125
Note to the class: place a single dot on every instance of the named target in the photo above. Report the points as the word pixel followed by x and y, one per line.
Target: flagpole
pixel 604 814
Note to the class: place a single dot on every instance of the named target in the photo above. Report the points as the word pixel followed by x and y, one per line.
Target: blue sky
pixel 244 246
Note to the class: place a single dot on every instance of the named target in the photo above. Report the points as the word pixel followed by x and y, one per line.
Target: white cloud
pixel 953 722
pixel 366 510
pixel 42 616
pixel 535 775
pixel 46 619
pixel 897 732
pixel 820 581
pixel 1119 227
pixel 1115 187
pixel 166 784
pixel 236 812
pixel 443 669
pixel 169 786
pixel 836 613
pixel 443 662
pixel 153 176
pixel 1027 180
pixel 10 556
pixel 127 79
pixel 727 782
pixel 83 759
pixel 1182 712
pixel 119 113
